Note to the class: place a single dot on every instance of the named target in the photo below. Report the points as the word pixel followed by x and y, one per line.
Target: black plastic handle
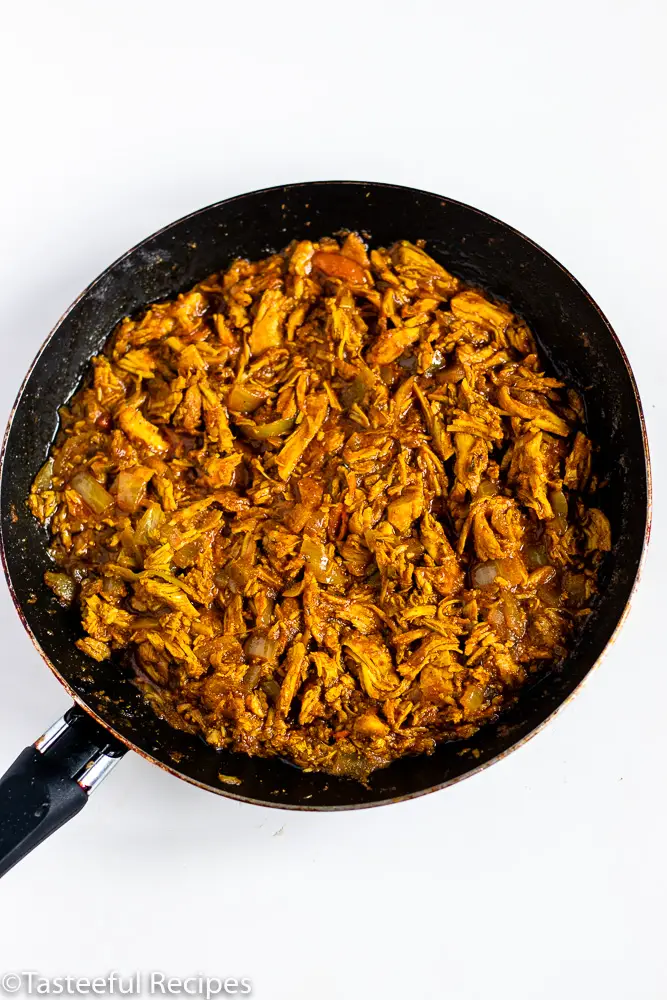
pixel 49 782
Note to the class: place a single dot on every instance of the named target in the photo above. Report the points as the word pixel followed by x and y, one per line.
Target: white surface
pixel 544 877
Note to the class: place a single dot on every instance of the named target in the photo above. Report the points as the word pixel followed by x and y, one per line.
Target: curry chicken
pixel 327 505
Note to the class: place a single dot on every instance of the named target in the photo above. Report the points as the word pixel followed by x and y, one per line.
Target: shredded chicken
pixel 327 506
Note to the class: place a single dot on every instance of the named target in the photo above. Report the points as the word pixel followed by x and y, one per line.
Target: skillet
pixel 51 781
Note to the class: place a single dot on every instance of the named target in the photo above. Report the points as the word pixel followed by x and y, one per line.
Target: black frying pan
pixel 49 782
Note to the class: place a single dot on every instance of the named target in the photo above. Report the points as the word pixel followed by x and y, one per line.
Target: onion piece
pixel 91 492
pixel 323 566
pixel 236 574
pixel 550 594
pixel 242 399
pixel 535 556
pixel 484 573
pixel 576 588
pixel 558 501
pixel 131 487
pixel 316 556
pixel 355 392
pixel 62 585
pixel 438 361
pixel 455 373
pixel 259 432
pixel 559 524
pixel 472 699
pixel 515 616
pixel 148 528
pixel 44 478
pixel 487 488
pixel 251 676
pixel 186 555
pixel 145 623
pixel 261 646
pixel 113 586
pixel 335 576
pixel 271 688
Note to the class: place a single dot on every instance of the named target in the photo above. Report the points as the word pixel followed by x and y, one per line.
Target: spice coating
pixel 330 504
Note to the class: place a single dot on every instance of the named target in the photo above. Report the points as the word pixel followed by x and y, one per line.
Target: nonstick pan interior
pixel 573 334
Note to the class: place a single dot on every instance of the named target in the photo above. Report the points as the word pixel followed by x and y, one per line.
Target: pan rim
pixel 239 199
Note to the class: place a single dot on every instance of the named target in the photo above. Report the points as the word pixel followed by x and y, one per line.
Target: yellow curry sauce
pixel 328 502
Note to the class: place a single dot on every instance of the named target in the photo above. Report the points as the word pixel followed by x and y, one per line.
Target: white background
pixel 545 876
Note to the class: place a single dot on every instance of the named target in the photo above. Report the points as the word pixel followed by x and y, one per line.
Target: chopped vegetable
pixel 261 646
pixel 244 399
pixel 321 563
pixel 132 487
pixel 92 492
pixel 260 432
pixel 62 585
pixel 484 573
pixel 148 526
pixel 44 478
pixel 558 502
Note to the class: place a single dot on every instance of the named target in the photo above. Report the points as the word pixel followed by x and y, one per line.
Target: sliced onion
pixel 251 676
pixel 454 373
pixel 186 555
pixel 484 573
pixel 316 556
pixel 515 616
pixel 148 528
pixel 487 489
pixel 261 646
pixel 576 588
pixel 472 699
pixel 236 575
pixel 62 585
pixel 558 501
pixel 335 576
pixel 325 569
pixel 259 432
pixel 145 622
pixel 354 392
pixel 559 524
pixel 550 595
pixel 113 586
pixel 271 688
pixel 91 492
pixel 242 399
pixel 438 360
pixel 535 556
pixel 44 478
pixel 132 487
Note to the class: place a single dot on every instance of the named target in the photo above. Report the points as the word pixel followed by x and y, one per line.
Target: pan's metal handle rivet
pixel 96 771
pixel 53 733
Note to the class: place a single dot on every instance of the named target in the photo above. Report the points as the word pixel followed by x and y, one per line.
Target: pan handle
pixel 50 782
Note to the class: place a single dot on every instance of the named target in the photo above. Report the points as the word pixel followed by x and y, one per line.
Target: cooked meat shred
pixel 327 504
